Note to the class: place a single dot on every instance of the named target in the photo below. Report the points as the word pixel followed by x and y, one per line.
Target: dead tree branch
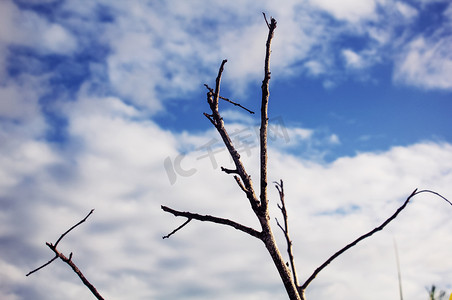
pixel 370 233
pixel 177 229
pixel 264 115
pixel 258 205
pixel 280 187
pixel 68 260
pixel 237 104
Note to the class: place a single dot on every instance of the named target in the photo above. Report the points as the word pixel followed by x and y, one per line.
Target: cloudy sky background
pixel 101 107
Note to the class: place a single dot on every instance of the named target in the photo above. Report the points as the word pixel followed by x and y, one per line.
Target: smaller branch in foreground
pixel 370 233
pixel 280 187
pixel 208 218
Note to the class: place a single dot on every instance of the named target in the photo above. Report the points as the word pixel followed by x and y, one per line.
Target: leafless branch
pixel 70 229
pixel 44 265
pixel 280 187
pixel 208 218
pixel 217 121
pixel 69 261
pixel 370 233
pixel 237 104
pixel 177 229
pixel 226 99
pixel 76 270
pixel 264 115
pixel 265 18
pixel 259 205
pixel 229 171
pixel 237 179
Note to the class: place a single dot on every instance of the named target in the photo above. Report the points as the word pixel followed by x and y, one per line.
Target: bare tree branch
pixel 259 205
pixel 237 104
pixel 370 233
pixel 280 187
pixel 39 268
pixel 230 101
pixel 208 218
pixel 229 171
pixel 70 229
pixel 177 229
pixel 69 261
pixel 76 270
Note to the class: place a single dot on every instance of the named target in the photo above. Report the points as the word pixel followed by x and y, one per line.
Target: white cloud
pixel 26 28
pixel 427 63
pixel 314 67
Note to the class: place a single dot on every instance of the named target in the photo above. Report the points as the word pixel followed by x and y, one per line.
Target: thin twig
pixel 208 218
pixel 237 179
pixel 280 187
pixel 370 233
pixel 69 261
pixel 177 229
pixel 265 18
pixel 70 229
pixel 237 104
pixel 216 119
pixel 39 268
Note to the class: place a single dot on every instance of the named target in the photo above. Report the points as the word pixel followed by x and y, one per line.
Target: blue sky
pixel 101 106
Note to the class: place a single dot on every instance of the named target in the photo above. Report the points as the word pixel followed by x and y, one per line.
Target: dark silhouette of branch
pixel 208 218
pixel 237 104
pixel 264 115
pixel 280 187
pixel 370 233
pixel 70 229
pixel 68 260
pixel 177 229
